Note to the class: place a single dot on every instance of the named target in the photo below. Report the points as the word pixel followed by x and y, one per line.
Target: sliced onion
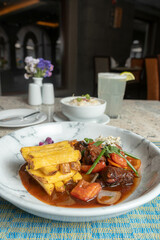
pixel 95 177
pixel 108 197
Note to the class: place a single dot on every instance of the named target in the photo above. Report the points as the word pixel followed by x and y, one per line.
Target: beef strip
pixel 91 153
pixel 65 168
pixel 75 166
pixel 81 146
pixel 115 176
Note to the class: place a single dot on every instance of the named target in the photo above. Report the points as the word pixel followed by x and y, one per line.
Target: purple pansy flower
pixel 38 67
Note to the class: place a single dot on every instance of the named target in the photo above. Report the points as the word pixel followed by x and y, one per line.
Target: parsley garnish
pixel 108 149
pixel 87 96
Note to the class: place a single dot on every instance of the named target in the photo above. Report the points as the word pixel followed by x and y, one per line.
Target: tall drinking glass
pixel 111 87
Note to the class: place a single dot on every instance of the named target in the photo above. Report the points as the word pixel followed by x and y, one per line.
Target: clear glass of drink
pixel 111 87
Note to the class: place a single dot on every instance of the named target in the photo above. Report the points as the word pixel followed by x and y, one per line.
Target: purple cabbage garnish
pixel 47 141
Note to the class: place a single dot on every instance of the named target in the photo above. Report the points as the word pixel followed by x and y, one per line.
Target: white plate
pixel 38 118
pixel 13 191
pixel 60 117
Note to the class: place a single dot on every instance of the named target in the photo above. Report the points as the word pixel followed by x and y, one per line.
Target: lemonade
pixel 111 87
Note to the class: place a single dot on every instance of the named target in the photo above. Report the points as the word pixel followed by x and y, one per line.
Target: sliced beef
pixel 91 153
pixel 81 146
pixel 115 176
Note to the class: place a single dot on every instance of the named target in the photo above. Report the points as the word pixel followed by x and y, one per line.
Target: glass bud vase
pixel 38 80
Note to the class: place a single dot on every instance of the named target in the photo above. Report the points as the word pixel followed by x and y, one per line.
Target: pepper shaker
pixel 47 93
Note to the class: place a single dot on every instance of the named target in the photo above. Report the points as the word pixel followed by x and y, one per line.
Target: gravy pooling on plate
pixel 87 173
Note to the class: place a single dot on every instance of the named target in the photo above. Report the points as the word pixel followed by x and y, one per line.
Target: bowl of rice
pixel 83 108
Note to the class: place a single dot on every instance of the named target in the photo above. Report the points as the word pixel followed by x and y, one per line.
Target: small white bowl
pixel 82 113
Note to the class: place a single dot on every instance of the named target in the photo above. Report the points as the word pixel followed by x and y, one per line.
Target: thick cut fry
pixel 58 158
pixel 67 180
pixel 38 175
pixel 59 187
pixel 77 177
pixel 51 154
pixel 26 150
pixel 53 165
pixel 50 170
pixel 47 146
pixel 48 187
pixel 50 151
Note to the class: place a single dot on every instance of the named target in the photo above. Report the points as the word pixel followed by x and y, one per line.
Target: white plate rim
pixel 8 113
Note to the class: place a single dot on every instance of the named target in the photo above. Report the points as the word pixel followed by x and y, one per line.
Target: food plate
pixel 60 117
pixel 13 191
pixel 35 119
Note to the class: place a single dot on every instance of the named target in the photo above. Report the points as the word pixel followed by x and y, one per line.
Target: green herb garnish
pixel 82 152
pixel 87 96
pixel 79 99
pixel 96 161
pixel 88 140
pixel 130 165
pixel 108 149
pixel 98 143
pixel 130 155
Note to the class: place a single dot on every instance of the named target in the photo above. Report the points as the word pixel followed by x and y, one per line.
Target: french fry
pixel 59 187
pixel 77 177
pixel 53 165
pixel 26 150
pixel 51 154
pixel 50 170
pixel 54 159
pixel 38 175
pixel 48 187
pixel 51 151
pixel 67 180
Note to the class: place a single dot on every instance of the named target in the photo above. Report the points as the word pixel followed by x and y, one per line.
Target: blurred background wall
pixel 72 33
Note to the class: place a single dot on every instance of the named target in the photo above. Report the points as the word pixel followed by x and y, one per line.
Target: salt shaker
pixel 47 93
pixel 34 94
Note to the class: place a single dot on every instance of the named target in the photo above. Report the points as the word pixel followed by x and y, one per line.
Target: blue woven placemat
pixel 141 223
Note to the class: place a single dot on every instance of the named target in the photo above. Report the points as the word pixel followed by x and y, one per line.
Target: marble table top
pixel 139 116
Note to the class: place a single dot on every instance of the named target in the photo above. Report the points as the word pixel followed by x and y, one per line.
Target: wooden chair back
pixel 152 75
pixel 138 64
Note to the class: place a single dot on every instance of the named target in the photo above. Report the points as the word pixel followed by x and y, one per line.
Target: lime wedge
pixel 129 76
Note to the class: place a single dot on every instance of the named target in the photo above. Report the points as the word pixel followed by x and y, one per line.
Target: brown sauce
pixel 64 199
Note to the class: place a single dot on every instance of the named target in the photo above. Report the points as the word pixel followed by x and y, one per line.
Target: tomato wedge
pixel 86 191
pixel 119 160
pixel 113 163
pixel 136 163
pixel 97 168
